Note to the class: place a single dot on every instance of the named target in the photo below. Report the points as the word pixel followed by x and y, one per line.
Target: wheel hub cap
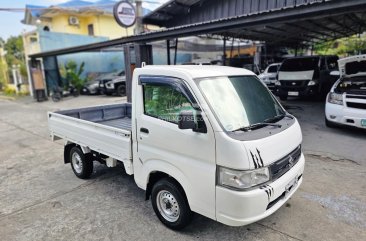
pixel 168 206
pixel 76 162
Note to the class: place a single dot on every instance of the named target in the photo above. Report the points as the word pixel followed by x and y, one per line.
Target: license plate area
pixel 293 93
pixel 291 185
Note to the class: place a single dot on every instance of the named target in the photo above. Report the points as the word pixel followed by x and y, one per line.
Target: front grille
pixel 294 83
pixel 281 166
pixel 357 105
pixel 356 97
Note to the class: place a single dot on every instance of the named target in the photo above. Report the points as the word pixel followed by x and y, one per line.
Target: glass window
pixel 332 63
pixel 272 69
pixel 300 64
pixel 239 101
pixel 164 102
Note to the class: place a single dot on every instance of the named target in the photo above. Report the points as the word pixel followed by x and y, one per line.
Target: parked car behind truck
pixel 269 75
pixel 116 86
pixel 115 79
pixel 187 149
pixel 308 76
pixel 346 102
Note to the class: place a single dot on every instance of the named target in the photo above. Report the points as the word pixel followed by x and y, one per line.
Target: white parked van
pixel 306 76
pixel 346 102
pixel 206 139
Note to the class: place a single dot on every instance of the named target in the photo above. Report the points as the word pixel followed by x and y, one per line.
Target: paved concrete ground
pixel 41 199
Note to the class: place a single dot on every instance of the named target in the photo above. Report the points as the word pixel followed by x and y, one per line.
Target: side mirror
pixel 335 73
pixel 186 120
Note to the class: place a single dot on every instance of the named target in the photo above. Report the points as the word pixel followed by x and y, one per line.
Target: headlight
pixel 278 83
pixel 311 83
pixel 110 85
pixel 242 179
pixel 335 98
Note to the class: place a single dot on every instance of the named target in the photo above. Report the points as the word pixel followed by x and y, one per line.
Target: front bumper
pixel 344 115
pixel 271 86
pixel 238 208
pixel 302 91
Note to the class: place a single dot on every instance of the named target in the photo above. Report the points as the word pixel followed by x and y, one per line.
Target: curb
pixel 3 97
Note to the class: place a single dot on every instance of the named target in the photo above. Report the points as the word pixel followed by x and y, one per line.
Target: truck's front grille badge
pixel 281 166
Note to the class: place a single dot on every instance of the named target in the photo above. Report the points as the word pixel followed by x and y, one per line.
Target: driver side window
pixel 164 102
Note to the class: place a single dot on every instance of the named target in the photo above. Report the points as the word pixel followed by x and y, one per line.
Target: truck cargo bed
pixel 117 115
pixel 121 123
pixel 104 129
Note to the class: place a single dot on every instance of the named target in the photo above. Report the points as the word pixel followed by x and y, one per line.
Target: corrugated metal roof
pixel 288 27
pixel 181 12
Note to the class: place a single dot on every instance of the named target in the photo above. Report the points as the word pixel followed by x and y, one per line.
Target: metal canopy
pixel 292 26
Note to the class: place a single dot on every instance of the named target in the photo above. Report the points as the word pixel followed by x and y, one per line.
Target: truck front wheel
pixel 170 204
pixel 80 163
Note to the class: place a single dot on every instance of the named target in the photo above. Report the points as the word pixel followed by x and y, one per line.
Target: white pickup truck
pixel 206 139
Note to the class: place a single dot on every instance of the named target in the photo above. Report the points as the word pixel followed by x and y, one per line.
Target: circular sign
pixel 124 13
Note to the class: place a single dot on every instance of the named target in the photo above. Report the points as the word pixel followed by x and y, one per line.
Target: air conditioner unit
pixel 73 20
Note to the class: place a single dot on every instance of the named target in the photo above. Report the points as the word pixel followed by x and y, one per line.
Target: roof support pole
pixel 129 66
pixel 175 51
pixel 52 74
pixel 224 53
pixel 168 51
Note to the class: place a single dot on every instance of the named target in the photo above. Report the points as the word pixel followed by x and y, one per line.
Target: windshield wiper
pixel 256 125
pixel 278 117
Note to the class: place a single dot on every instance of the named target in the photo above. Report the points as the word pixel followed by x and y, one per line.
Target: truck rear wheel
pixel 81 165
pixel 170 204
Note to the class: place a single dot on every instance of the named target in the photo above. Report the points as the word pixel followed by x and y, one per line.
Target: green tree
pixel 14 49
pixel 71 73
pixel 345 46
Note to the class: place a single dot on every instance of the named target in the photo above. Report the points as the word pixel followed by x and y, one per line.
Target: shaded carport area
pixel 278 23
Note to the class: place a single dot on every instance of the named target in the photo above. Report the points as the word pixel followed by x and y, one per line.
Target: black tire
pixel 56 97
pixel 75 93
pixel 81 164
pixel 283 97
pixel 329 123
pixel 170 191
pixel 121 90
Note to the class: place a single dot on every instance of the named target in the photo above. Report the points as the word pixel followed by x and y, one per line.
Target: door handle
pixel 144 130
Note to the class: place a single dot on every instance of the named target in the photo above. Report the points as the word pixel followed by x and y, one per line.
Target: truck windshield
pixel 300 64
pixel 239 101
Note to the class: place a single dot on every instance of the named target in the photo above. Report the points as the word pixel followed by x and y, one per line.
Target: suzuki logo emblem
pixel 290 161
pixel 293 83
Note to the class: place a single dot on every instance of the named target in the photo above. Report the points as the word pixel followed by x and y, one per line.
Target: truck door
pixel 187 156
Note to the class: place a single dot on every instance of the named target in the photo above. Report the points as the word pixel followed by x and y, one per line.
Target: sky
pixel 10 24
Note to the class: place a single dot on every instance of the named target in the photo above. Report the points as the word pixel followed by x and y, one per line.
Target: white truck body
pixel 211 163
